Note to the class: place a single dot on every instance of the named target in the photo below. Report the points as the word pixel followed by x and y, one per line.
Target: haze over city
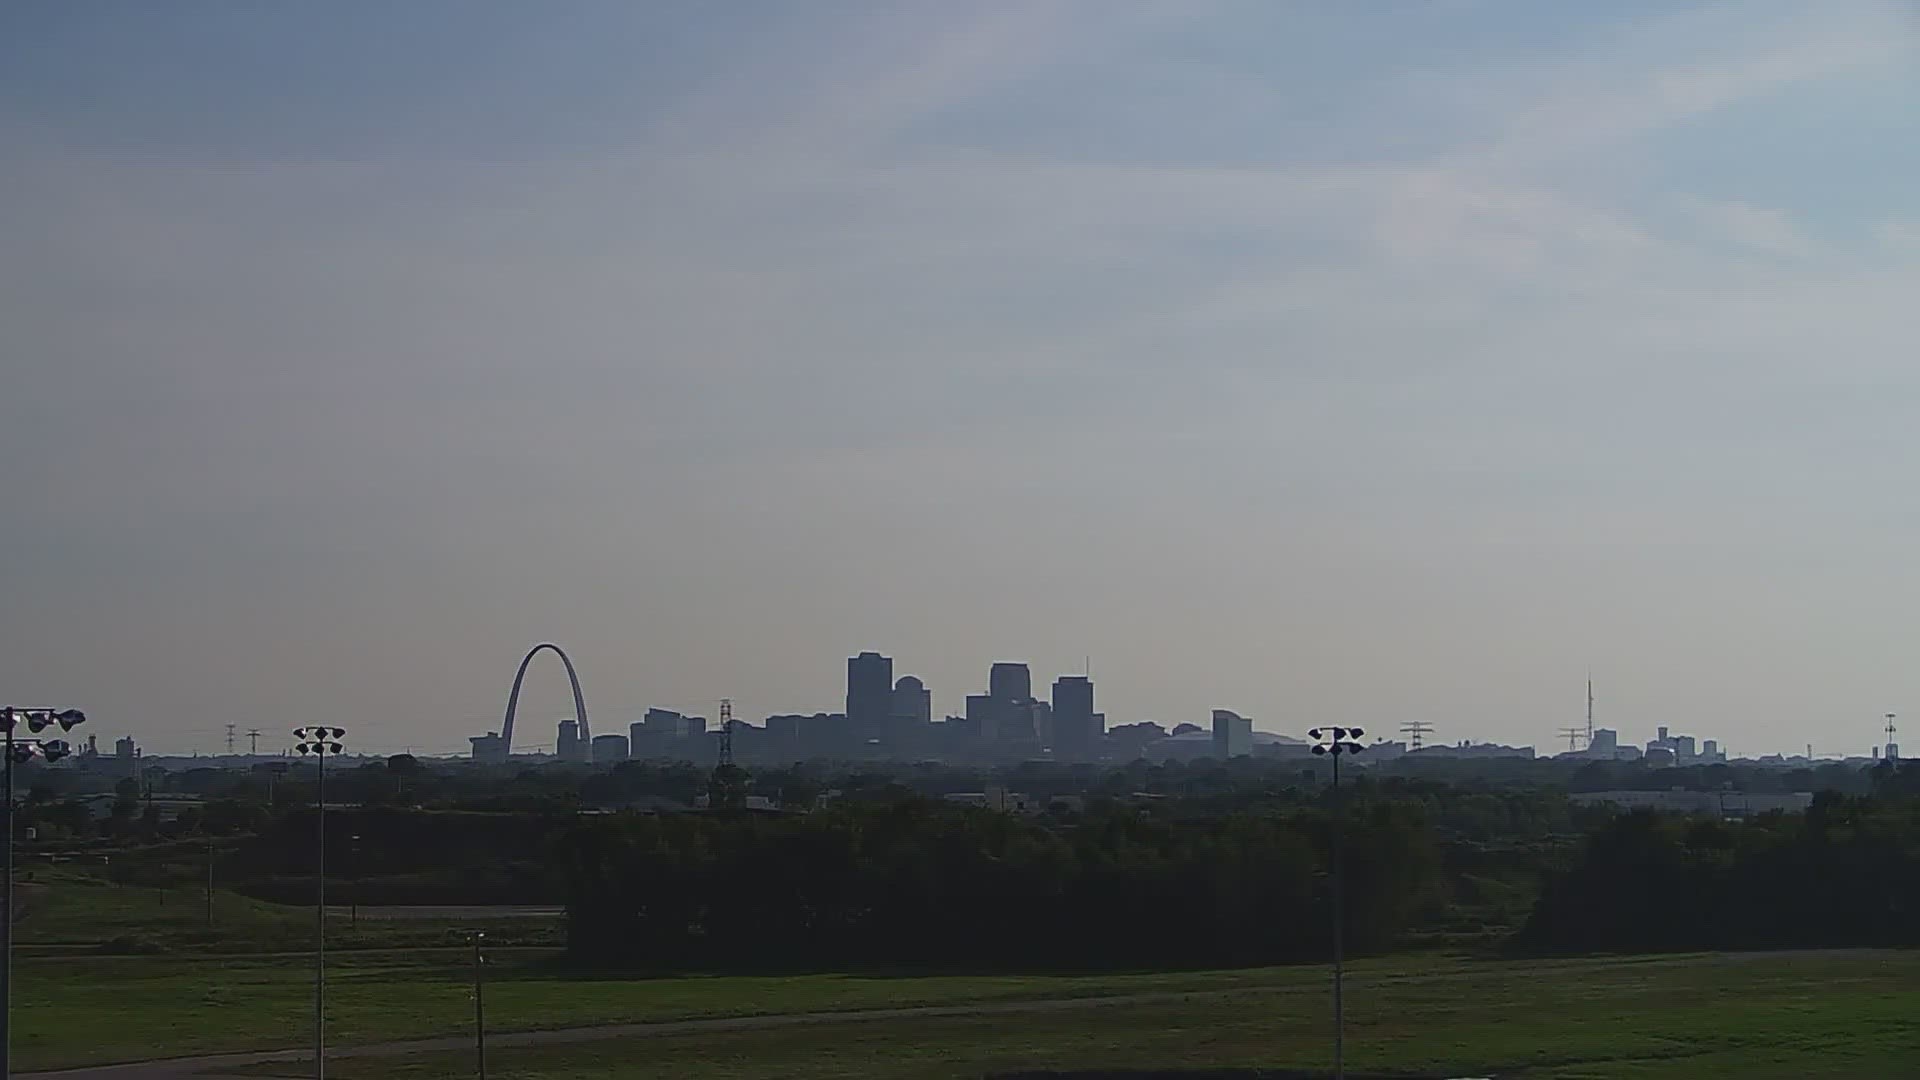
pixel 1356 363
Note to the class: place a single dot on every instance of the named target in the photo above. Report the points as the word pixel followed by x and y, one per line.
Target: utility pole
pixel 253 743
pixel 209 882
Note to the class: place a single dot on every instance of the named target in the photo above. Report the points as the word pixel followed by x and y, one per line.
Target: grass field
pixel 88 990
pixel 1751 1017
pixel 68 911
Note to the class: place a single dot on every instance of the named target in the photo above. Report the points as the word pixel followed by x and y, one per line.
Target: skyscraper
pixel 912 701
pixel 982 717
pixel 566 744
pixel 1076 734
pixel 869 694
pixel 1010 705
pixel 1010 682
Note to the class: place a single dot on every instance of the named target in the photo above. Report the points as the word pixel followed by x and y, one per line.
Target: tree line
pixel 921 882
pixel 1845 873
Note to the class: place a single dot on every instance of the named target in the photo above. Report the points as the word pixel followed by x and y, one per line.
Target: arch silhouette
pixel 513 699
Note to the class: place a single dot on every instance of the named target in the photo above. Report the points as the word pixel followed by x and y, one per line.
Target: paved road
pixel 187 1068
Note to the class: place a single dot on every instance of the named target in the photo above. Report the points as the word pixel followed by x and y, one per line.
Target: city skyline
pixel 1069 733
pixel 1336 364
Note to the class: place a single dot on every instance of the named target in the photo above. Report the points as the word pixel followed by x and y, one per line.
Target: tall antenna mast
pixel 1589 710
pixel 1890 743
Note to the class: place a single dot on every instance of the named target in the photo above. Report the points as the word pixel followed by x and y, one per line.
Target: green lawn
pixel 66 911
pixel 1746 1017
pixel 171 1005
pixel 247 984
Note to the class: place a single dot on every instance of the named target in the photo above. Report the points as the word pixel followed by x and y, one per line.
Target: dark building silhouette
pixel 912 701
pixel 567 745
pixel 1076 727
pixel 869 694
pixel 1016 724
pixel 982 718
pixel 489 749
pixel 608 749
pixel 1010 682
pixel 1232 735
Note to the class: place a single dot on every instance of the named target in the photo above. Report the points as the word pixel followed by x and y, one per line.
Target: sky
pixel 1333 363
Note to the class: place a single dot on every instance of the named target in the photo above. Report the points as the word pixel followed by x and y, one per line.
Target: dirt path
pixel 299 1064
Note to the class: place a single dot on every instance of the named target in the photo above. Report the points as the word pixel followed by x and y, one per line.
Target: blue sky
pixel 1364 362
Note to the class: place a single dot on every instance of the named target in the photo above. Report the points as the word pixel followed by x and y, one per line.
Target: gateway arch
pixel 513 699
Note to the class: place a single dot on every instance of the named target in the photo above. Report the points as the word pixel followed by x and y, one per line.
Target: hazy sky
pixel 1358 362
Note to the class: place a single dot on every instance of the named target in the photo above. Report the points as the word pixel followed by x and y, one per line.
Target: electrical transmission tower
pixel 230 729
pixel 253 742
pixel 1413 730
pixel 728 787
pixel 1572 735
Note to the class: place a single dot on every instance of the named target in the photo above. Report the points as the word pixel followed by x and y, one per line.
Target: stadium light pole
pixel 479 1005
pixel 319 742
pixel 21 751
pixel 1336 741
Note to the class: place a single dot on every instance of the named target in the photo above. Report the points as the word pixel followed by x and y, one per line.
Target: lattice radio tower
pixel 1589 712
pixel 1890 743
pixel 230 730
pixel 1413 730
pixel 726 732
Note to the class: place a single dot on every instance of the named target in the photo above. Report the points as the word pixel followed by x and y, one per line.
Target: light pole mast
pixel 320 742
pixel 479 1006
pixel 1337 741
pixel 21 750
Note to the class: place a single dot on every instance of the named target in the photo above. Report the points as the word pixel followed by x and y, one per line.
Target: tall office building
pixel 1076 733
pixel 982 717
pixel 912 701
pixel 566 745
pixel 1232 735
pixel 869 694
pixel 1010 693
pixel 1010 682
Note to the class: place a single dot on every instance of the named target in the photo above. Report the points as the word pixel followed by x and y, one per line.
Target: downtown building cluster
pixel 892 719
